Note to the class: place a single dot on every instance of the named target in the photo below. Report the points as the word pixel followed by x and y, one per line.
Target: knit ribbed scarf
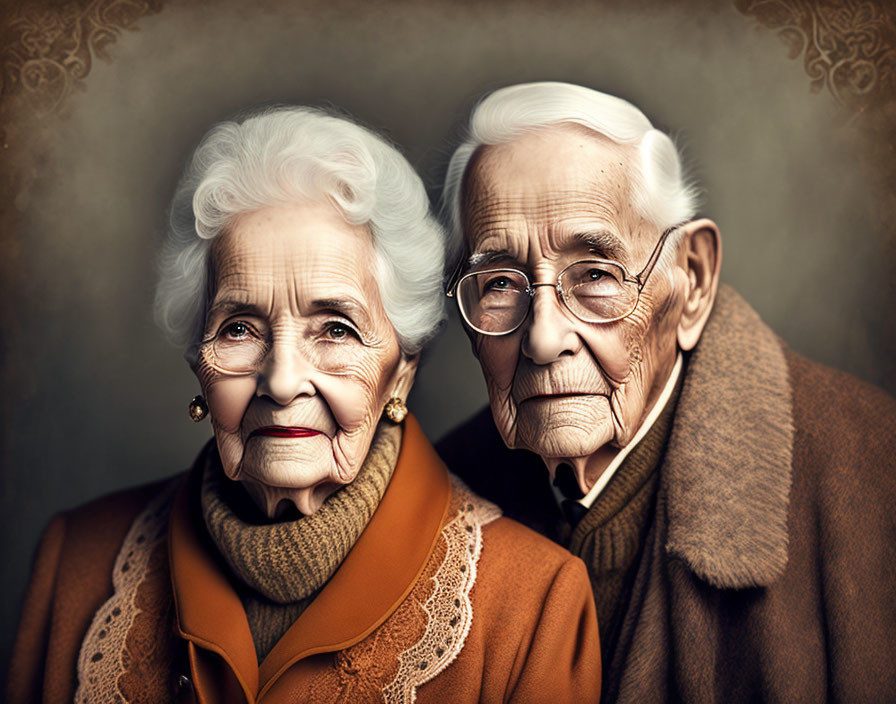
pixel 285 564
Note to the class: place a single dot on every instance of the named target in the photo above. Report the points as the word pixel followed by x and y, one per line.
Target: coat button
pixel 184 688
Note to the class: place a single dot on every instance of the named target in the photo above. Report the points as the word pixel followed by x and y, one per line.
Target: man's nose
pixel 285 374
pixel 549 333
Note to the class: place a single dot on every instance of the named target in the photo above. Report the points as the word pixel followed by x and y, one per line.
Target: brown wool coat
pixel 768 572
pixel 524 632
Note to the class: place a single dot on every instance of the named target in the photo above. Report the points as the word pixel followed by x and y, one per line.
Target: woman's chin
pixel 277 502
pixel 279 475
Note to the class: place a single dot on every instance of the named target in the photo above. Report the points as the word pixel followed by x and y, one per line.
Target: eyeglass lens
pixel 497 301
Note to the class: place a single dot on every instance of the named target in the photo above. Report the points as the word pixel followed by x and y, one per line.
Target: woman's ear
pixel 191 355
pixel 403 378
pixel 702 249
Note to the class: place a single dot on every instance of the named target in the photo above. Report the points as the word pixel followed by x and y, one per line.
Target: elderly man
pixel 735 503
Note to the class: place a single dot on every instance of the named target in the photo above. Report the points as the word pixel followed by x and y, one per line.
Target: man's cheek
pixel 498 358
pixel 615 354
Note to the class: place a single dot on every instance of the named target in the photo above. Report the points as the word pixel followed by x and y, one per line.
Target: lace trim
pixel 449 609
pixel 100 661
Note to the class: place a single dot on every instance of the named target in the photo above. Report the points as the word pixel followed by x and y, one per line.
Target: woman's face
pixel 294 292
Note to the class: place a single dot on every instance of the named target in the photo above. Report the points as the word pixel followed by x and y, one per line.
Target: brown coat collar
pixel 395 546
pixel 727 471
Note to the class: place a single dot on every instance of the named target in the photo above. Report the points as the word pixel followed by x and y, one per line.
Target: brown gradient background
pixel 94 399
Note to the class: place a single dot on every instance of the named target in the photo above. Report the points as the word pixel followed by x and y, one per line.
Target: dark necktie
pixel 565 481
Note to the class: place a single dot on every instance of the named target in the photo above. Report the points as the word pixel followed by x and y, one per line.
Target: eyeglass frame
pixel 640 279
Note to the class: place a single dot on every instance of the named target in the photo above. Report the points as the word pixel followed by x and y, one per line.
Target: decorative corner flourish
pixel 849 46
pixel 48 47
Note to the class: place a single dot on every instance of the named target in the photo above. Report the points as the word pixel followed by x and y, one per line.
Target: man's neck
pixel 598 468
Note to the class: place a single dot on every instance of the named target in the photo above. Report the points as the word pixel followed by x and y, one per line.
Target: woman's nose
pixel 549 333
pixel 285 374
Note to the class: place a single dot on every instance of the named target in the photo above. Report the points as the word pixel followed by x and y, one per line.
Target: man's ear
pixel 403 378
pixel 702 250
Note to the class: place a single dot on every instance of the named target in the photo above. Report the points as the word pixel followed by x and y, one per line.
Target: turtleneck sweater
pixel 280 567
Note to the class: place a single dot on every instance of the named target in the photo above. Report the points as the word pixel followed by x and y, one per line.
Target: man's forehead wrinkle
pixel 574 218
pixel 544 208
pixel 558 166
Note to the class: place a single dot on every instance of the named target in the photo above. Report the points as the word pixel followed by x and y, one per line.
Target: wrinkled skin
pixel 572 391
pixel 302 276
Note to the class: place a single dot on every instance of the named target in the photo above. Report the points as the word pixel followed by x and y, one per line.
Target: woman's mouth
pixel 282 431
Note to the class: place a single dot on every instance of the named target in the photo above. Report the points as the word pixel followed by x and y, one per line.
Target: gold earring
pixel 395 410
pixel 198 408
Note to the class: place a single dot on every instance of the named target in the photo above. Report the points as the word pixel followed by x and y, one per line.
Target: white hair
pixel 295 154
pixel 660 192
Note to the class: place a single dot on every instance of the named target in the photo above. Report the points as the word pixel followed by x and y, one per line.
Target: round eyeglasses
pixel 497 301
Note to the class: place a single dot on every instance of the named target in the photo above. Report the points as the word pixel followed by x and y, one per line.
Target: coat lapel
pixel 372 581
pixel 209 612
pixel 727 472
pixel 381 568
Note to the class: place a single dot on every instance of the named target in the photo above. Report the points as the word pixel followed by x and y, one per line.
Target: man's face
pixel 559 386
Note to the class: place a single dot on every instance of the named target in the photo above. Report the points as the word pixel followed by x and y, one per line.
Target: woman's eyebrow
pixel 348 307
pixel 229 306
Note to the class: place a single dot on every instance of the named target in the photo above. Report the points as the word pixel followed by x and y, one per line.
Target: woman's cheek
pixel 353 407
pixel 354 398
pixel 228 398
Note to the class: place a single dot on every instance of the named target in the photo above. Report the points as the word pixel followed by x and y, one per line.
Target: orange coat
pixel 440 600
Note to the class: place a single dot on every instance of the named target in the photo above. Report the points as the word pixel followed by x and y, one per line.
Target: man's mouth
pixel 282 431
pixel 558 396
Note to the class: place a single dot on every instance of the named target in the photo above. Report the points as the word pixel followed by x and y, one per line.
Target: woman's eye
pixel 237 330
pixel 341 331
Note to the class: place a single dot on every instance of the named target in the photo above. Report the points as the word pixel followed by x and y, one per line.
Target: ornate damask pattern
pixel 48 47
pixel 849 45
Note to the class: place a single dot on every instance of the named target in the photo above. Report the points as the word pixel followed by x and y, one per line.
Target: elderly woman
pixel 318 550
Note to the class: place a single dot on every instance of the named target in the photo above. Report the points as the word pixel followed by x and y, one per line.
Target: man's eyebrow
pixel 487 257
pixel 603 243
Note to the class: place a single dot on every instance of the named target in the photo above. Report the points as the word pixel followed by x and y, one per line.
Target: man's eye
pixel 499 283
pixel 595 274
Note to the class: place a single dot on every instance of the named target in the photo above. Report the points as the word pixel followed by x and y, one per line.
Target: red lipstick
pixel 281 431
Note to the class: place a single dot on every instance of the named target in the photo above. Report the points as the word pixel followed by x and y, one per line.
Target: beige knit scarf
pixel 285 564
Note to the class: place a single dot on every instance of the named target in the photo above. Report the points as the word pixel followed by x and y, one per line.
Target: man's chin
pixel 565 431
pixel 564 443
